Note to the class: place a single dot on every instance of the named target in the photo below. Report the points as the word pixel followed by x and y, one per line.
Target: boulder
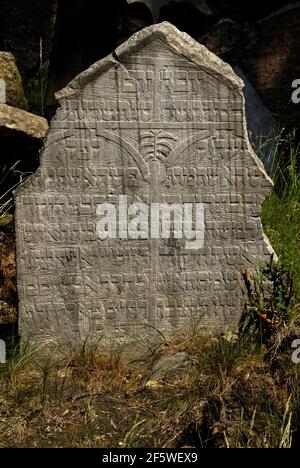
pixel 11 87
pixel 19 121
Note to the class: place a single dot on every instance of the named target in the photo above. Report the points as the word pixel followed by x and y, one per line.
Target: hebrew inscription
pixel 160 123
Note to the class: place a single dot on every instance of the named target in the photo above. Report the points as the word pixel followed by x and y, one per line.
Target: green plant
pixel 281 210
pixel 19 361
pixel 47 366
pixel 219 357
pixel 277 429
pixel 286 427
pixel 270 301
pixel 128 439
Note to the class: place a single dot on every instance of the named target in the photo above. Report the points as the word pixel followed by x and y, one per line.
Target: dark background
pixel 54 40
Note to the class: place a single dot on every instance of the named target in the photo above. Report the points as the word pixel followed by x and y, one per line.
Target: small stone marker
pixel 2 91
pixel 147 202
pixel 2 352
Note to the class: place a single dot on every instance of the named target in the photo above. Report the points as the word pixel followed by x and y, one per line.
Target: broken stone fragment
pixel 170 367
pixel 11 87
pixel 17 120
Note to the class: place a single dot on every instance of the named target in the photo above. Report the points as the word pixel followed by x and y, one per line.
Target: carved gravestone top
pixel 147 201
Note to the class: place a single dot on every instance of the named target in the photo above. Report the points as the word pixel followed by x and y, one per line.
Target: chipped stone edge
pixel 179 41
pixel 262 169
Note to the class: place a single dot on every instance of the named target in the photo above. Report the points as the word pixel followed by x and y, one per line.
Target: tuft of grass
pixel 219 357
pixel 229 396
pixel 10 179
pixel 20 359
pixel 129 436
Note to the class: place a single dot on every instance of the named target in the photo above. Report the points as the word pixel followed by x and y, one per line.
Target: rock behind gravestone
pixel 263 130
pixel 9 73
pixel 14 120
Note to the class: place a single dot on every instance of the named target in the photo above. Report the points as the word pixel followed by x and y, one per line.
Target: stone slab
pixel 161 120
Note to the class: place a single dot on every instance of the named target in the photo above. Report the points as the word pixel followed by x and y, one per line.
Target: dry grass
pixel 232 394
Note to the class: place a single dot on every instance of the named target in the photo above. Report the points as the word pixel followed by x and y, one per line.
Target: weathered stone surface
pixel 20 121
pixel 170 367
pixel 161 120
pixel 11 87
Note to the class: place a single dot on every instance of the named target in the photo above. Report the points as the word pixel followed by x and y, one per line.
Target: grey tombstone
pixel 161 120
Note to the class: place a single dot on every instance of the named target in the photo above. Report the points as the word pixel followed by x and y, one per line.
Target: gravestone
pixel 158 123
